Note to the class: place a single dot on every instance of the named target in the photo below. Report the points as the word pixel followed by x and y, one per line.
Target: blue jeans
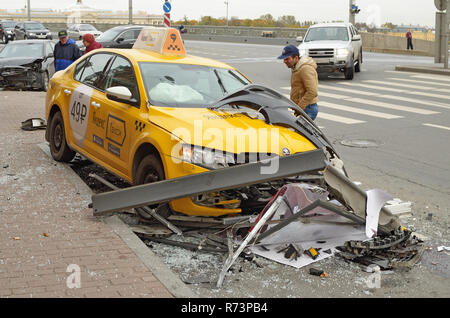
pixel 312 110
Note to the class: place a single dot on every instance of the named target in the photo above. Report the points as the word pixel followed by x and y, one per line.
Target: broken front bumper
pixel 20 77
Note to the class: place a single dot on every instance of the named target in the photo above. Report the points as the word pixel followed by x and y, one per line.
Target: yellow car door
pixel 87 115
pixel 121 114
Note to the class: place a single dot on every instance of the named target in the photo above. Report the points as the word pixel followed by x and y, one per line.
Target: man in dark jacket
pixel 66 51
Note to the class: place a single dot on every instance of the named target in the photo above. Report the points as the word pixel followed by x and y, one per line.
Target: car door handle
pixel 97 105
pixel 67 91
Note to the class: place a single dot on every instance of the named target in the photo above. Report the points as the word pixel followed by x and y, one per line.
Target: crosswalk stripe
pixel 392 106
pixel 401 85
pixel 390 89
pixel 437 126
pixel 345 120
pixel 437 78
pixel 348 90
pixel 446 97
pixel 337 96
pixel 416 101
pixel 400 98
pixel 358 110
pixel 417 81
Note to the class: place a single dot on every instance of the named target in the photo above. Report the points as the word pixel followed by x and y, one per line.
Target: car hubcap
pixel 152 176
pixel 58 137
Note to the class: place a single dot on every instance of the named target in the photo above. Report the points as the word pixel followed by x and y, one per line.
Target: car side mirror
pixel 119 93
pixel 119 40
pixel 356 37
pixel 299 38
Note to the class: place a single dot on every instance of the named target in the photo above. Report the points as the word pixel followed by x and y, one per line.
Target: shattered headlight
pixel 207 157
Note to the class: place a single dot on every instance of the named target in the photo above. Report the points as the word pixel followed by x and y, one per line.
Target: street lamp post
pixel 28 11
pixel 130 11
pixel 226 2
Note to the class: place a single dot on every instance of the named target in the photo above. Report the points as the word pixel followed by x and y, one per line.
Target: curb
pixel 160 270
pixel 418 69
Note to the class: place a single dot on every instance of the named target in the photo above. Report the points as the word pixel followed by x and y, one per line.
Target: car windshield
pixel 184 85
pixel 108 35
pixel 87 27
pixel 327 34
pixel 34 26
pixel 8 24
pixel 17 49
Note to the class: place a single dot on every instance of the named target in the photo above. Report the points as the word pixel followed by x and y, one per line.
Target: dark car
pixel 7 31
pixel 31 30
pixel 121 37
pixel 27 64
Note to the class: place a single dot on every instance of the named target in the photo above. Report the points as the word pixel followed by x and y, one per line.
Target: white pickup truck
pixel 335 47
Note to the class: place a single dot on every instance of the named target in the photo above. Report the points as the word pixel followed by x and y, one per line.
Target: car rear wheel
pixel 59 149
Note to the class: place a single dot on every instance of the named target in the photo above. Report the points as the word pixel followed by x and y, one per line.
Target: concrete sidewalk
pixel 48 231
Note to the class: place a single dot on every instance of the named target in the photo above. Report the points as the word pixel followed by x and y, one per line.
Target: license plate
pixel 42 36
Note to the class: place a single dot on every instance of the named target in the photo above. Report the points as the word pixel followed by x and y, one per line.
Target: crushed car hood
pixel 297 133
pixel 18 61
pixel 217 127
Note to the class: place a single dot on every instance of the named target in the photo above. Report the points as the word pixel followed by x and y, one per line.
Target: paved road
pixel 406 114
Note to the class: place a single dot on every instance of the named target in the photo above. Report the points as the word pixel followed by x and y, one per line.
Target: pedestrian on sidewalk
pixel 304 80
pixel 90 43
pixel 409 40
pixel 66 51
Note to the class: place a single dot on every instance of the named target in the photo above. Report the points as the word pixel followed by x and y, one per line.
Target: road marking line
pixel 401 98
pixel 416 101
pixel 437 126
pixel 396 90
pixel 446 97
pixel 344 120
pixel 401 85
pixel 442 78
pixel 417 81
pixel 389 89
pixel 392 106
pixel 358 110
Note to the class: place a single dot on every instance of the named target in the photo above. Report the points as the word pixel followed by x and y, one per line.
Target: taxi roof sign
pixel 165 41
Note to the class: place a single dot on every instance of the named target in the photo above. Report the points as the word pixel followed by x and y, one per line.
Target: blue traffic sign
pixel 167 7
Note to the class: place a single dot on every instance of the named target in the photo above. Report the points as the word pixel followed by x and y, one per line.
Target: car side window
pixel 121 73
pixel 127 35
pixel 91 71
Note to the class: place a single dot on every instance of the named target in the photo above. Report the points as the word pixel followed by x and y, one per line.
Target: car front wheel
pixel 349 71
pixel 151 170
pixel 44 81
pixel 59 149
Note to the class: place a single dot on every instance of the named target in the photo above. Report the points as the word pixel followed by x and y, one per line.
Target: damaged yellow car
pixel 153 112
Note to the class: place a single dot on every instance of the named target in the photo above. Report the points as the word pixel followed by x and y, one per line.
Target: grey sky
pixel 372 11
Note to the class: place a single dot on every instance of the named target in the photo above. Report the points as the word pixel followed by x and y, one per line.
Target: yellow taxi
pixel 153 112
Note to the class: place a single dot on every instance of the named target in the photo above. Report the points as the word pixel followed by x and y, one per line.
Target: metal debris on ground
pixel 400 249
pixel 34 124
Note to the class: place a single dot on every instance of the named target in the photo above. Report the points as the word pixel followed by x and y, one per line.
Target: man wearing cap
pixel 304 80
pixel 66 51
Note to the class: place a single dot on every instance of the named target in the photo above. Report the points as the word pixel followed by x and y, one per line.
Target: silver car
pixel 335 47
pixel 76 31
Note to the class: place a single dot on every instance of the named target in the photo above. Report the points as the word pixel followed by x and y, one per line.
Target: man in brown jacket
pixel 304 80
